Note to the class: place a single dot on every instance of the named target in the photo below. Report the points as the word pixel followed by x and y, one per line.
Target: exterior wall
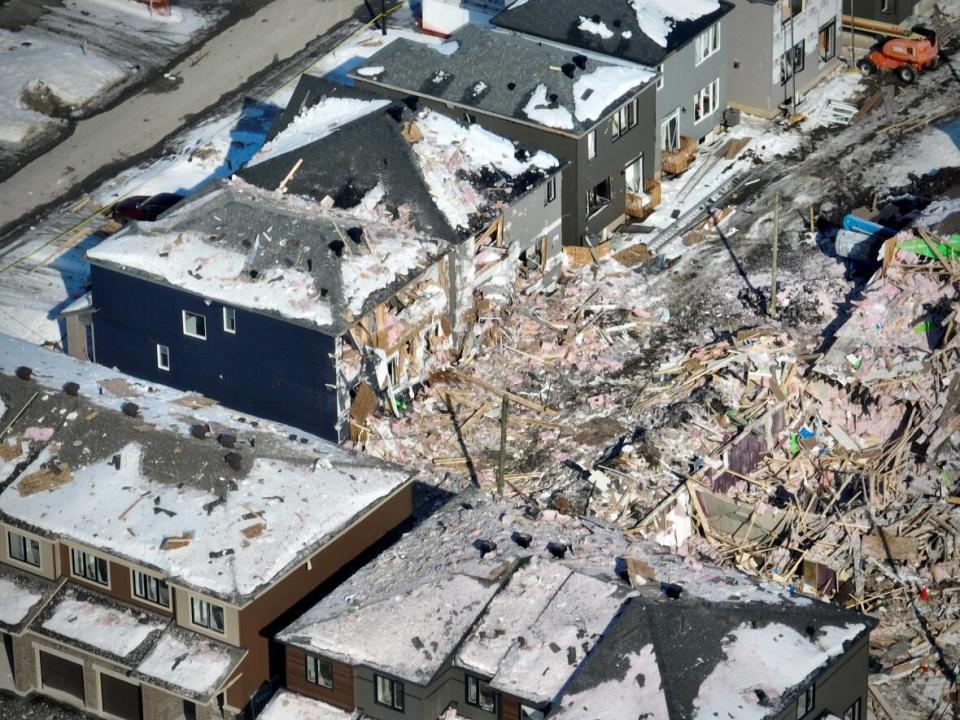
pixel 48 555
pixel 340 695
pixel 755 63
pixel 683 78
pixel 184 616
pixel 443 17
pixel 271 368
pixel 531 217
pixel 256 618
pixel 890 11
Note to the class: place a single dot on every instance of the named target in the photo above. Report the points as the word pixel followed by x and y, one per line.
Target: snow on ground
pixel 767 659
pixel 179 26
pixel 111 629
pixel 928 151
pixel 15 602
pixel 189 661
pixel 657 17
pixel 286 705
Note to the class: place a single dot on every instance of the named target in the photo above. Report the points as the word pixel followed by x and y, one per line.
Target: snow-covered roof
pixel 271 253
pixel 211 500
pixel 541 84
pixel 286 705
pixel 189 663
pixel 544 589
pixel 22 594
pixel 450 177
pixel 640 31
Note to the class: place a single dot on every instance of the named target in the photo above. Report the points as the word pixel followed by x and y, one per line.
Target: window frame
pixel 592 144
pixel 134 573
pixel 832 27
pixel 27 542
pixel 477 684
pixel 788 4
pixel 163 350
pixel 714 94
pixel 537 713
pixel 606 200
pixel 551 189
pixel 196 601
pixel 394 703
pixel 801 45
pixel 707 44
pixel 318 679
pixel 854 711
pixel 229 314
pixel 85 557
pixel 660 80
pixel 184 314
pixel 806 701
pixel 888 7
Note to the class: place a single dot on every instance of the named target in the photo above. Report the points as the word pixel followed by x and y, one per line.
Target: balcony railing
pixel 675 162
pixel 640 205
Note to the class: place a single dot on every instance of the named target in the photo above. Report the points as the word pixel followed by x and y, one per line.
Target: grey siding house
pixel 593 114
pixel 689 54
pixel 889 11
pixel 779 49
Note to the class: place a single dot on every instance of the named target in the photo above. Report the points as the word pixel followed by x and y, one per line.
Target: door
pixel 120 698
pixel 60 674
pixel 633 173
pixel 670 131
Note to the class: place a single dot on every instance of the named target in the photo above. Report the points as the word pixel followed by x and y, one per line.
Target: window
pixel 707 43
pixel 705 101
pixel 480 694
pixel 792 62
pixel 599 197
pixel 659 77
pixel 670 131
pixel 206 614
pixel 827 42
pixel 633 176
pixel 551 189
pixel 805 702
pixel 789 8
pixel 163 357
pixel 147 587
pixel 853 712
pixel 89 566
pixel 389 692
pixel 319 672
pixel 591 145
pixel 230 321
pixel 24 549
pixel 194 325
pixel 623 119
pixel 887 7
pixel 529 713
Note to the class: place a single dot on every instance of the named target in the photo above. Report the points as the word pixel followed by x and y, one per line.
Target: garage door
pixel 62 675
pixel 120 698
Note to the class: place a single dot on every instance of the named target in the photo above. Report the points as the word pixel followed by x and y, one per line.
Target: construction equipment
pixel 904 56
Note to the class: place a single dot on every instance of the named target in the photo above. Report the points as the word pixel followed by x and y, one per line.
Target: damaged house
pixel 493 202
pixel 273 304
pixel 543 96
pixel 491 611
pixel 151 539
pixel 685 42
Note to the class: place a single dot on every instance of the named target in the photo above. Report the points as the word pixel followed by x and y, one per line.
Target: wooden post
pixel 504 411
pixel 776 250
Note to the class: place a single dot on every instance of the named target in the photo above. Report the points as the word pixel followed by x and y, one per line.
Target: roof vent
pixel 511 86
pixel 522 539
pixel 671 590
pixel 762 698
pixel 227 440
pixel 568 69
pixel 617 23
pixel 72 389
pixel 580 61
pixel 130 409
pixel 484 546
pixel 254 273
pixel 23 372
pixel 811 630
pixel 199 431
pixel 396 112
pixel 355 233
pixel 234 460
pixel 558 550
pixel 337 246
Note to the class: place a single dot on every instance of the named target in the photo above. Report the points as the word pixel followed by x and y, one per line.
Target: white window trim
pixel 233 314
pixel 23 563
pixel 707 37
pixel 317 660
pixel 148 601
pixel 664 123
pixel 714 87
pixel 591 144
pixel 184 314
pixel 660 80
pixel 71 549
pixel 160 357
pixel 203 628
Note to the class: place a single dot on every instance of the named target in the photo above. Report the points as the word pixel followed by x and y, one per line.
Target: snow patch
pixel 657 17
pixel 594 92
pixel 286 705
pixel 110 629
pixel 188 661
pixel 15 602
pixel 539 110
pixel 595 27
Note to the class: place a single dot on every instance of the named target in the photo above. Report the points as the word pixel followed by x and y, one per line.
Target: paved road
pixel 276 32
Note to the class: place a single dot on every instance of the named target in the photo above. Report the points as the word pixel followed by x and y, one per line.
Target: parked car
pixel 144 207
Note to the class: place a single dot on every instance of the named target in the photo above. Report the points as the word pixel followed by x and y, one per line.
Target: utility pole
pixel 776 250
pixel 504 410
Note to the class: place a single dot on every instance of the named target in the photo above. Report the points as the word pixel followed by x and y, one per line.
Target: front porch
pixel 675 162
pixel 638 205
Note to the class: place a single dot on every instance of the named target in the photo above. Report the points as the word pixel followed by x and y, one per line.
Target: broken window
pixel 88 566
pixel 319 672
pixel 623 119
pixel 789 8
pixel 591 145
pixel 389 692
pixel 707 43
pixel 805 702
pixel 670 132
pixel 791 62
pixel 230 320
pixel 853 712
pixel 194 325
pixel 827 42
pixel 633 174
pixel 24 549
pixel 147 587
pixel 598 197
pixel 705 101
pixel 206 615
pixel 163 357
pixel 480 694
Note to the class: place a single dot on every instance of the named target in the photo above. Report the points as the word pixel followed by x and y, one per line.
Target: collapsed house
pixel 490 610
pixel 595 115
pixel 273 304
pixel 151 538
pixel 493 202
pixel 685 43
